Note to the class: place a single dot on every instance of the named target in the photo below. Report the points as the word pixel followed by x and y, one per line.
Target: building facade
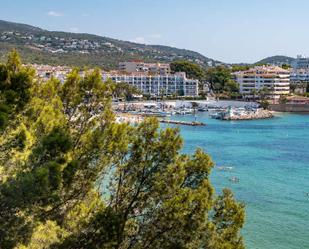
pixel 274 80
pixel 301 62
pixel 300 75
pixel 45 72
pixel 157 85
pixel 140 66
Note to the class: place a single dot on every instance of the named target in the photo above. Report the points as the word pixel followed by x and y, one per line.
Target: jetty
pixel 260 114
pixel 232 113
pixel 178 122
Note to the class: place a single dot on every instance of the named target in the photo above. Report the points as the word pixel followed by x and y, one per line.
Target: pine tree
pixel 70 177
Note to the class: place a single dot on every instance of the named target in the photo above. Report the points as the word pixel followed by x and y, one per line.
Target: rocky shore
pixel 259 114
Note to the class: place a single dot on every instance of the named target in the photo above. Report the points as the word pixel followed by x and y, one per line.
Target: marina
pixel 222 110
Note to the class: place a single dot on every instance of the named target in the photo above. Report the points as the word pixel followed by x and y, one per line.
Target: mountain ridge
pixel 38 45
pixel 277 60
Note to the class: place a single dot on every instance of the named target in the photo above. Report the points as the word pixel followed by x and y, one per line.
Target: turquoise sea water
pixel 271 159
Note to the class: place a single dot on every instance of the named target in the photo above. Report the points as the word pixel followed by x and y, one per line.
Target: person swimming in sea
pixel 224 168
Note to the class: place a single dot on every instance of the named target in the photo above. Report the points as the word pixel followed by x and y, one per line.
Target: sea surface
pixel 271 159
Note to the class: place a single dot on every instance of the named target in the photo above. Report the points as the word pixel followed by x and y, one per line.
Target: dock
pixel 177 122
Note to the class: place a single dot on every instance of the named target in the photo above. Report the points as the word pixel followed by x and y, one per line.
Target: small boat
pixel 184 111
pixel 234 179
pixel 202 109
pixel 216 115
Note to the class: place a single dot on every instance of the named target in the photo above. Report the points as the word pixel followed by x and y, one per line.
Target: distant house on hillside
pixel 140 66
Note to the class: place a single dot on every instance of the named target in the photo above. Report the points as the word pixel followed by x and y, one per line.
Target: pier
pixel 177 122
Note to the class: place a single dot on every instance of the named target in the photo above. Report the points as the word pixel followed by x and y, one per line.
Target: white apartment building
pixel 140 66
pixel 45 72
pixel 301 62
pixel 300 70
pixel 300 75
pixel 273 78
pixel 156 85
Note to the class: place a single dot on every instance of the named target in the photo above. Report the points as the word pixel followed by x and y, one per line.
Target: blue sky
pixel 226 30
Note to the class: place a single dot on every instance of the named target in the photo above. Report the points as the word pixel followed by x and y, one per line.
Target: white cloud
pixel 139 39
pixel 74 29
pixel 147 39
pixel 85 15
pixel 54 13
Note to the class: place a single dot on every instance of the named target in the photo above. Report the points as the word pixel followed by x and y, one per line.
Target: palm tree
pixel 253 92
pixel 194 106
pixel 264 92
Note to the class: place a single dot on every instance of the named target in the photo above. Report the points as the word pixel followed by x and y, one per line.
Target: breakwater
pixel 178 122
pixel 289 108
pixel 260 114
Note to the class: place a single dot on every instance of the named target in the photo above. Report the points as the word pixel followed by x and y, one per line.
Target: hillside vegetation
pixel 49 47
pixel 276 60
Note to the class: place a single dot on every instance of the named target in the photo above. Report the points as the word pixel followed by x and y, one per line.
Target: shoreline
pixel 261 114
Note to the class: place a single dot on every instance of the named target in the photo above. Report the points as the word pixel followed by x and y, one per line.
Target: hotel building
pixel 156 85
pixel 301 62
pixel 275 79
pixel 300 70
pixel 45 72
pixel 300 75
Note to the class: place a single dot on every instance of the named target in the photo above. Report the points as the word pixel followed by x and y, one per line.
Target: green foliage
pixel 228 218
pixel 220 79
pixel 283 100
pixel 264 104
pixel 3 116
pixel 276 60
pixel 192 70
pixel 125 90
pixel 106 56
pixel 237 68
pixel 55 144
pixel 14 62
pixel 286 66
pixel 4 74
pixel 15 84
pixel 44 235
pixel 264 93
pixel 72 178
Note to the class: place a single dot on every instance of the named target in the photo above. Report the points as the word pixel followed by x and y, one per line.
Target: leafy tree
pixel 192 70
pixel 298 87
pixel 286 66
pixel 125 90
pixel 220 79
pixel 237 68
pixel 264 93
pixel 283 100
pixel 14 62
pixel 70 177
pixel 254 93
pixel 264 104
pixel 15 84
